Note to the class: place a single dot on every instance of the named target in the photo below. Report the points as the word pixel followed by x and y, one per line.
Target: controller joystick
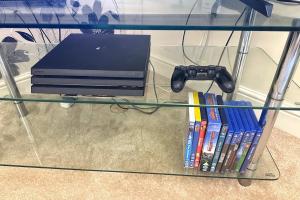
pixel 216 73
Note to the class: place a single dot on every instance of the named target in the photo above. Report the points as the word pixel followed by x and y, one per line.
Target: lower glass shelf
pixel 97 137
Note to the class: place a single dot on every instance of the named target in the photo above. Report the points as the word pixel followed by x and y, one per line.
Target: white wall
pixel 272 42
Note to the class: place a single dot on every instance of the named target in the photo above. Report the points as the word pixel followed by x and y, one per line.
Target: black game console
pixel 217 73
pixel 94 64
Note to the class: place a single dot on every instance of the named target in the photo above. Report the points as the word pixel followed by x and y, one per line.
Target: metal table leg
pixel 11 84
pixel 284 73
pixel 242 52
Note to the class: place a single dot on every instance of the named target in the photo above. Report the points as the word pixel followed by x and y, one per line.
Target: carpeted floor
pixel 58 146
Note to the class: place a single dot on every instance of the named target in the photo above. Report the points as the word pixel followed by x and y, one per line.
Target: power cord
pixel 19 16
pixel 184 33
pixel 58 20
pixel 143 110
pixel 36 20
pixel 226 45
pixel 59 29
pixel 148 110
pixel 116 6
pixel 230 36
pixel 23 21
pixel 288 1
pixel 296 84
pixel 156 108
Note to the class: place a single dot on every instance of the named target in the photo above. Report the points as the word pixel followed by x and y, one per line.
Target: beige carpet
pixel 22 183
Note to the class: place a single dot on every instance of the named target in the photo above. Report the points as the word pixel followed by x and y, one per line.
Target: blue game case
pixel 250 138
pixel 212 133
pixel 189 144
pixel 189 137
pixel 222 135
pixel 197 126
pixel 227 141
pixel 255 141
pixel 236 132
pixel 246 137
pixel 242 129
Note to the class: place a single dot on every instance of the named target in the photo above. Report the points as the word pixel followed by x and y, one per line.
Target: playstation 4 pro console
pixel 94 64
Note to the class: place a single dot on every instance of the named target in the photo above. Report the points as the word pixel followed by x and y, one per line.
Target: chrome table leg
pixel 281 81
pixel 242 52
pixel 11 84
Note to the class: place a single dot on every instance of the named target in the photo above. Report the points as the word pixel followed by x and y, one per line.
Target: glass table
pixel 95 133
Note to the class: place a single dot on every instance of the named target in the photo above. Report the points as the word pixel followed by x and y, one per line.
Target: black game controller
pixel 217 73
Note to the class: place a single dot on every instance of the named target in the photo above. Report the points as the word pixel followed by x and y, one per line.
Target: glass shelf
pixel 254 86
pixel 96 137
pixel 142 15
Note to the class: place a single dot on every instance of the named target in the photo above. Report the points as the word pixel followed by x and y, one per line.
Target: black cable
pixel 28 5
pixel 116 6
pixel 224 48
pixel 43 38
pixel 73 14
pixel 58 20
pixel 184 33
pixel 277 167
pixel 227 42
pixel 183 41
pixel 59 29
pixel 46 36
pixel 230 36
pixel 139 108
pixel 296 84
pixel 154 83
pixel 210 86
pixel 153 109
pixel 288 1
pixel 41 30
pixel 23 21
pixel 16 13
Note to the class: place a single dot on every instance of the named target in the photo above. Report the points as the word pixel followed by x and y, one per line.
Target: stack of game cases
pixel 220 139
